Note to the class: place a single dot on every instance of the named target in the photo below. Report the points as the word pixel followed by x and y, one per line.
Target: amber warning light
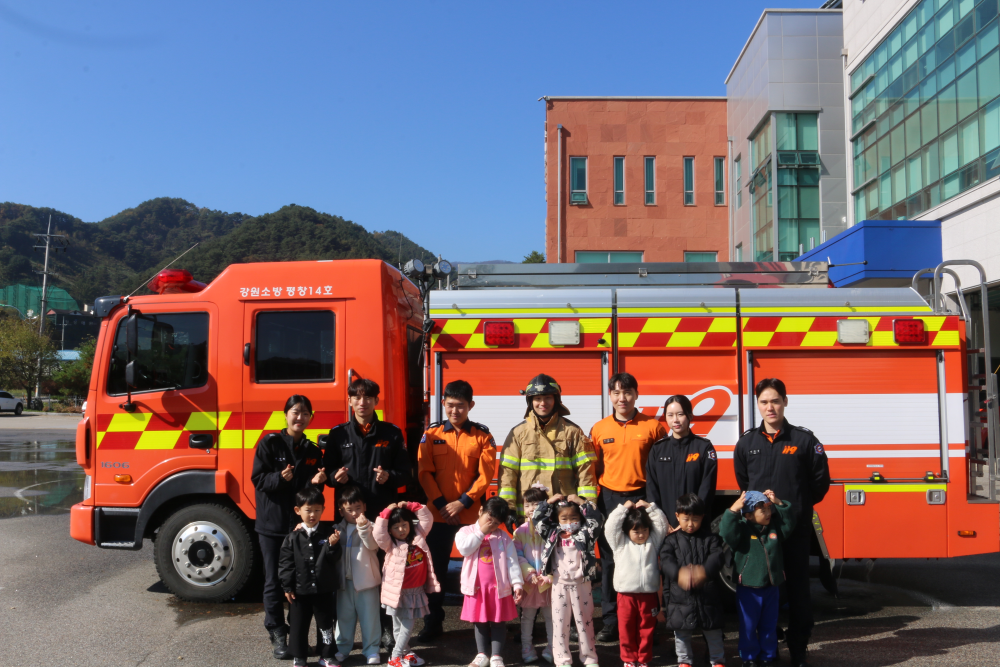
pixel 909 332
pixel 175 281
pixel 498 333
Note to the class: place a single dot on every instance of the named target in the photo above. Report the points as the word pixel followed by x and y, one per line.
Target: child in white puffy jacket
pixel 635 533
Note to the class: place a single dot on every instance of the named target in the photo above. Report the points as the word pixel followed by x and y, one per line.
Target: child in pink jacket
pixel 401 532
pixel 491 580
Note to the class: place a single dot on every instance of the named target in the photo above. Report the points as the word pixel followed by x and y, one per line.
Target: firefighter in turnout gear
pixel 546 448
pixel 791 461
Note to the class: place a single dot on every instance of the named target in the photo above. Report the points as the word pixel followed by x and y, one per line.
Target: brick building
pixel 641 179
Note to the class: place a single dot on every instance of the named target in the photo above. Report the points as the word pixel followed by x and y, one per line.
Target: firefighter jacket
pixel 679 466
pixel 546 523
pixel 347 446
pixel 307 564
pixel 794 466
pixel 274 495
pixel 758 558
pixel 456 464
pixel 557 455
pixel 703 606
pixel 622 448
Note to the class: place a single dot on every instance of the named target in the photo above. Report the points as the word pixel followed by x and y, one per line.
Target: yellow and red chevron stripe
pixel 529 333
pixel 148 430
pixel 941 331
pixel 657 332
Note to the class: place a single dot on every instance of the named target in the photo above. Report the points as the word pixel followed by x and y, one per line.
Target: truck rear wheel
pixel 204 553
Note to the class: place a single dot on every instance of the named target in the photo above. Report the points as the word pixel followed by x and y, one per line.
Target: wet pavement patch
pixel 38 477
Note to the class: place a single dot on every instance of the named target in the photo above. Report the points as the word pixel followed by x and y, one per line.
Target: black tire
pixel 217 557
pixel 18 409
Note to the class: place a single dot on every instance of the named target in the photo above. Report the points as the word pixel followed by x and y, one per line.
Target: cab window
pixel 294 346
pixel 173 353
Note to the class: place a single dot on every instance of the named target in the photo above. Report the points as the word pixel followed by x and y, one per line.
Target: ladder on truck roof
pixel 643 274
pixel 981 401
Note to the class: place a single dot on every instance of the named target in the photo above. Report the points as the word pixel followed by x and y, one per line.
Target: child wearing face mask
pixel 491 580
pixel 635 533
pixel 401 532
pixel 690 559
pixel 570 527
pixel 537 586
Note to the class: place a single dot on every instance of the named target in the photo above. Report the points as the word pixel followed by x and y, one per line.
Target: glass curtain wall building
pixel 925 112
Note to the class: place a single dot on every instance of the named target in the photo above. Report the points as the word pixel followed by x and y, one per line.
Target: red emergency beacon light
pixel 175 281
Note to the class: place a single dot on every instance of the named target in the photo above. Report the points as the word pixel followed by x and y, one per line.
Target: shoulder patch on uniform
pixel 481 427
pixel 819 449
pixel 711 454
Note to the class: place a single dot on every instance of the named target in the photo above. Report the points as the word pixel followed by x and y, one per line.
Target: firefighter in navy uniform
pixel 680 463
pixel 792 462
pixel 372 454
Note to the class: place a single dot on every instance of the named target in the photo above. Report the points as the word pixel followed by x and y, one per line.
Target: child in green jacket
pixel 754 528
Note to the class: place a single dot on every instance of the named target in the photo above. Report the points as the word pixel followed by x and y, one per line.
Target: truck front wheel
pixel 204 553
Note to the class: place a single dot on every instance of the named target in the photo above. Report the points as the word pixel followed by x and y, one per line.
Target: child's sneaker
pixel 547 655
pixel 339 657
pixel 480 661
pixel 374 659
pixel 396 662
pixel 411 659
pixel 329 662
pixel 628 664
pixel 529 656
pixel 496 661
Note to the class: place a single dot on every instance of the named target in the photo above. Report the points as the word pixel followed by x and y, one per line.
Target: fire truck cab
pixel 187 381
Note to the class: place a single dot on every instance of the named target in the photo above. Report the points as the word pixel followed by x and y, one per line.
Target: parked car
pixel 8 402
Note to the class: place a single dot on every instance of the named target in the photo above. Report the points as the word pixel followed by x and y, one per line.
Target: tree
pixel 21 349
pixel 73 379
pixel 534 258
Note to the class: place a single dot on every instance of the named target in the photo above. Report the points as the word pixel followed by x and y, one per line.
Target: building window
pixel 720 186
pixel 701 257
pixel 761 209
pixel 604 257
pixel 797 143
pixel 738 167
pixel 619 181
pixel 650 164
pixel 926 110
pixel 739 253
pixel 578 180
pixel 689 181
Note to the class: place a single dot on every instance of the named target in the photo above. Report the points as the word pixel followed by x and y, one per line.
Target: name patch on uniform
pixel 711 454
pixel 789 449
pixel 665 458
pixel 607 441
pixel 755 451
pixel 440 442
pixel 819 448
pixel 692 457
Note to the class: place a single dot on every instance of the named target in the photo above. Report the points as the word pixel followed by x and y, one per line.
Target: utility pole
pixel 48 236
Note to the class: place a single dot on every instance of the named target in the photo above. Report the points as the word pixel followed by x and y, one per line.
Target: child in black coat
pixel 308 576
pixel 690 559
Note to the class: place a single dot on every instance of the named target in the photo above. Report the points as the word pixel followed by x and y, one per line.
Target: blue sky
pixel 416 116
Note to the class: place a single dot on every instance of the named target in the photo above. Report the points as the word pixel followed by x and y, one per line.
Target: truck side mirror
pixel 132 335
pixel 130 374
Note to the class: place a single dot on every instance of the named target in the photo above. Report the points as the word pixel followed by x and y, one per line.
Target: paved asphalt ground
pixel 66 603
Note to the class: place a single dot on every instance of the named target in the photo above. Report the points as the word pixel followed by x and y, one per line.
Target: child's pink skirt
pixel 484 606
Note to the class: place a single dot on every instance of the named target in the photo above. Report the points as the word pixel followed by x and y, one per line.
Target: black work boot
pixel 279 642
pixel 798 656
pixel 609 633
pixel 433 629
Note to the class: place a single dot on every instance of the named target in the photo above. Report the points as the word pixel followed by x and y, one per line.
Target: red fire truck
pixel 187 381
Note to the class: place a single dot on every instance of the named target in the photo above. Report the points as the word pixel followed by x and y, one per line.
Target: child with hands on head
pixel 491 580
pixel 635 533
pixel 537 586
pixel 570 527
pixel 307 569
pixel 401 532
pixel 754 528
pixel 358 578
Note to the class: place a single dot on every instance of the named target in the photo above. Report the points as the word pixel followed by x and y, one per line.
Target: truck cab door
pixel 171 424
pixel 292 348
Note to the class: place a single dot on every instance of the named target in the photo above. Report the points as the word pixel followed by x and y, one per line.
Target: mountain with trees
pixel 117 254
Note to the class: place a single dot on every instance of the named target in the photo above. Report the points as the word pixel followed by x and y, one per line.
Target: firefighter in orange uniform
pixel 455 465
pixel 622 441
